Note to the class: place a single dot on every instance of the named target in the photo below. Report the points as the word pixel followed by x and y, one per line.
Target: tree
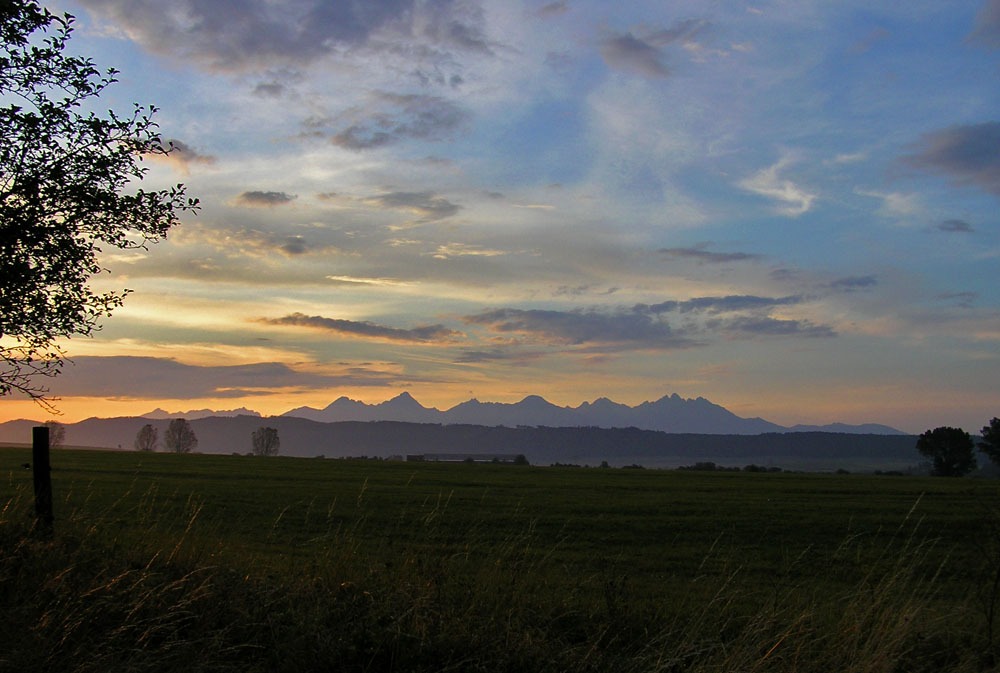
pixel 950 449
pixel 179 437
pixel 146 438
pixel 265 441
pixel 57 434
pixel 991 440
pixel 67 188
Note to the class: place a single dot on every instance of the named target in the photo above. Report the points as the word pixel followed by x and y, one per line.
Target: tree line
pixel 952 450
pixel 181 438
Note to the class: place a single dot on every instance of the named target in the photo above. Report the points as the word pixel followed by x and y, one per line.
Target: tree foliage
pixel 265 442
pixel 67 188
pixel 990 445
pixel 57 434
pixel 180 437
pixel 146 439
pixel 951 451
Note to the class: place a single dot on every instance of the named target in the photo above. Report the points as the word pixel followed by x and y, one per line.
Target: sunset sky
pixel 791 208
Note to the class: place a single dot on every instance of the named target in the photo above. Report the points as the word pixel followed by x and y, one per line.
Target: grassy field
pixel 223 563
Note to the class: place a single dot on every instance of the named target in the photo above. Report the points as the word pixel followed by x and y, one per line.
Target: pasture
pixel 309 564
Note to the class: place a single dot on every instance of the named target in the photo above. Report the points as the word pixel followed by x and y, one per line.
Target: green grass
pixel 164 562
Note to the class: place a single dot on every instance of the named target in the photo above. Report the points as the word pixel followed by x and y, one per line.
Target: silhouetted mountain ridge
pixel 670 413
pixel 160 414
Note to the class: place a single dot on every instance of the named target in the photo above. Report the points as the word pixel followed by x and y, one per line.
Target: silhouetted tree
pixel 67 188
pixel 180 438
pixel 57 434
pixel 146 438
pixel 991 440
pixel 951 451
pixel 265 442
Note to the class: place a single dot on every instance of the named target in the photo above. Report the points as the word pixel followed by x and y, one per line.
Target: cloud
pixel 956 226
pixel 701 255
pixel 854 283
pixel 260 34
pixel 181 156
pixel 370 282
pixel 960 299
pixel 551 9
pixel 754 326
pixel 647 327
pixel 627 52
pixel 390 118
pixel 269 90
pixel 132 377
pixel 728 304
pixel 255 199
pixel 987 28
pixel 582 327
pixel 969 153
pixel 507 355
pixel 449 250
pixel 767 182
pixel 294 245
pixel 248 241
pixel 423 334
pixel 453 23
pixel 645 54
pixel 895 204
pixel 427 206
pixel 850 158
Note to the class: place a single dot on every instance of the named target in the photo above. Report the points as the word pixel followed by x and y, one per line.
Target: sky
pixel 790 208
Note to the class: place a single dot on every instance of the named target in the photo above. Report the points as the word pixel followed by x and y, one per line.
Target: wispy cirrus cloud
pixel 451 250
pixel 515 356
pixel 426 334
pixel 793 199
pixel 364 281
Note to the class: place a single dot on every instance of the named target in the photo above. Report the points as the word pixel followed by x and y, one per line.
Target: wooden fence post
pixel 42 472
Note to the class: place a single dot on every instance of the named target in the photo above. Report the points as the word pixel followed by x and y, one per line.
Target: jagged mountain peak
pixel 343 401
pixel 404 400
pixel 535 401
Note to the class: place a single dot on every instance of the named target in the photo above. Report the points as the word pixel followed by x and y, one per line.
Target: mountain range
pixel 671 431
pixel 670 413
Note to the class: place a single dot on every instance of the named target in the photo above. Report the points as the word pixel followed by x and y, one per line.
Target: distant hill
pixel 816 451
pixel 670 413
